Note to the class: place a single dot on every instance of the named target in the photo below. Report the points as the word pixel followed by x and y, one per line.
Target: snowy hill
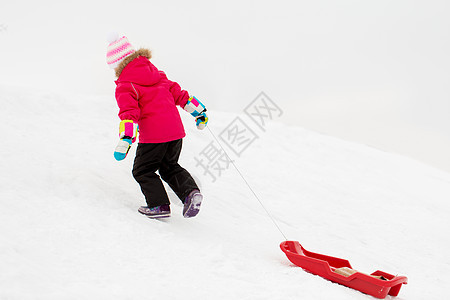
pixel 70 230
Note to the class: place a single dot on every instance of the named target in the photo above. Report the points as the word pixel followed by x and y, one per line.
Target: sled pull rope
pixel 248 185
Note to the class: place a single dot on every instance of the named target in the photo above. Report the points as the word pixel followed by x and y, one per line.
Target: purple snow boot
pixel 162 211
pixel 192 204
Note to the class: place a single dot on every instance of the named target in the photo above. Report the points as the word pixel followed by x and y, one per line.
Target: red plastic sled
pixel 379 284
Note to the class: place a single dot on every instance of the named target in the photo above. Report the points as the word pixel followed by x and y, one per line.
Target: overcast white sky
pixel 375 72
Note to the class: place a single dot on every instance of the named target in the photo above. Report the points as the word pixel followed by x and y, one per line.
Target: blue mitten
pixel 122 149
pixel 201 121
pixel 127 134
pixel 198 111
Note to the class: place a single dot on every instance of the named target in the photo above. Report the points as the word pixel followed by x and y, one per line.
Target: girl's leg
pixel 147 162
pixel 171 172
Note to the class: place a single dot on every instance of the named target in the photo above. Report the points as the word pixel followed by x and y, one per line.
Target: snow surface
pixel 70 229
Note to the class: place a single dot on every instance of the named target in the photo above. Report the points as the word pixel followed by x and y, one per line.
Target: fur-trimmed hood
pixel 138 69
pixel 141 52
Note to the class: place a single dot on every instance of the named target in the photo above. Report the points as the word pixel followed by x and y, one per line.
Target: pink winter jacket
pixel 146 96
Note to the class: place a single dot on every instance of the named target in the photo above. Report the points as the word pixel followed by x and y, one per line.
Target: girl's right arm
pixel 127 100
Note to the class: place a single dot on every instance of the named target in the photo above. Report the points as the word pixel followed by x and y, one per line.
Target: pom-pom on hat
pixel 118 49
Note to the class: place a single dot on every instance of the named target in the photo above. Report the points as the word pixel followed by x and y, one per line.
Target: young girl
pixel 147 103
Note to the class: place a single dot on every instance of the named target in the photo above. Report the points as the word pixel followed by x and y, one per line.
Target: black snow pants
pixel 161 157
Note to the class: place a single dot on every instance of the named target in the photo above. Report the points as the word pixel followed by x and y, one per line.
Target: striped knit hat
pixel 117 50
